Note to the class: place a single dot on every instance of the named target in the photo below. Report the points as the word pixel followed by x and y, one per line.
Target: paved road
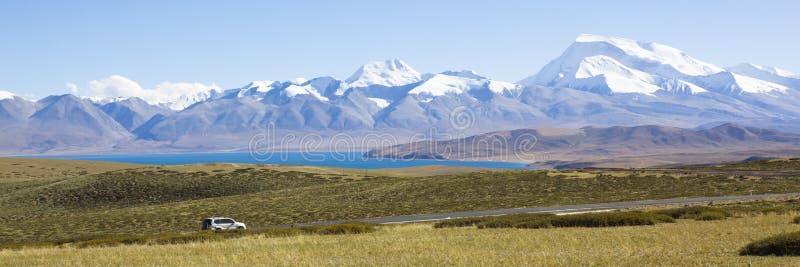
pixel 551 209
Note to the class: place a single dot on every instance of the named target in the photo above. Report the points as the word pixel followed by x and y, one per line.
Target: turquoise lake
pixel 327 159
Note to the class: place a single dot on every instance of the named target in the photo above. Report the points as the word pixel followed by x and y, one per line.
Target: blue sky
pixel 46 44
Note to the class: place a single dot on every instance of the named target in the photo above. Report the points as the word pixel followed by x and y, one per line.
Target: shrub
pixel 711 216
pixel 182 239
pixel 509 221
pixel 340 229
pixel 609 219
pixel 279 232
pixel 693 212
pixel 536 221
pixel 460 222
pixel 535 224
pixel 497 224
pixel 796 220
pixel 787 244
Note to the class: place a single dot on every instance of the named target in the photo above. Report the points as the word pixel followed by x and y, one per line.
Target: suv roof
pixel 215 218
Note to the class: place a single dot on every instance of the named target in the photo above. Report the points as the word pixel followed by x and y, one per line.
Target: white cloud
pixel 73 88
pixel 175 95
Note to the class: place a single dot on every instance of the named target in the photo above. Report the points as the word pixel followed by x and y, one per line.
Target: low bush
pixel 460 222
pixel 609 219
pixel 787 244
pixel 711 216
pixel 535 224
pixel 535 221
pixel 796 220
pixel 341 229
pixel 695 213
pixel 279 232
pixel 182 239
pixel 497 224
pixel 510 221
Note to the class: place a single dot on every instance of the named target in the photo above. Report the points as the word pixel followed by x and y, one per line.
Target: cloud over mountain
pixel 176 96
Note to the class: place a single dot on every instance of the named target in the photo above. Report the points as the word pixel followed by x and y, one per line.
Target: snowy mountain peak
pixel 388 73
pixel 753 85
pixel 769 74
pixel 298 81
pixel 591 38
pixel 442 84
pixel 650 52
pixel 608 65
pixel 748 68
pixel 294 90
pixel 499 87
pixel 6 95
pixel 260 86
pixel 618 77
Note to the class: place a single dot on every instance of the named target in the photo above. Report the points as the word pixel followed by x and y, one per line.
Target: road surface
pixel 551 209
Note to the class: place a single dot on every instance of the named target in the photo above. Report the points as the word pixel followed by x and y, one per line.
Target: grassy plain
pixel 684 243
pixel 134 199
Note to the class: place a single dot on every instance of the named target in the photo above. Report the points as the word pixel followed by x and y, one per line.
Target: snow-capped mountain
pixel 769 74
pixel 14 109
pixel 611 65
pixel 6 95
pixel 387 73
pixel 598 80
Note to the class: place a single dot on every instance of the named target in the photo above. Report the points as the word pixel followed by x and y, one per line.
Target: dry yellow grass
pixel 680 244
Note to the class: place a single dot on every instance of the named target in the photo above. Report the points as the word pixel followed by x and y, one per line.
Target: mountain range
pixel 588 145
pixel 598 81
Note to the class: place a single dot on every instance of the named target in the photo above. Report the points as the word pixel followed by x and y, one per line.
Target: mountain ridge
pixel 598 80
pixel 592 142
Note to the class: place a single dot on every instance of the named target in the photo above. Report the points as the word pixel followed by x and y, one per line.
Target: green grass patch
pixel 133 187
pixel 700 213
pixel 787 244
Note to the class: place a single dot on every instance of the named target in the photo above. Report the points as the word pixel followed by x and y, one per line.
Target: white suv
pixel 222 223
